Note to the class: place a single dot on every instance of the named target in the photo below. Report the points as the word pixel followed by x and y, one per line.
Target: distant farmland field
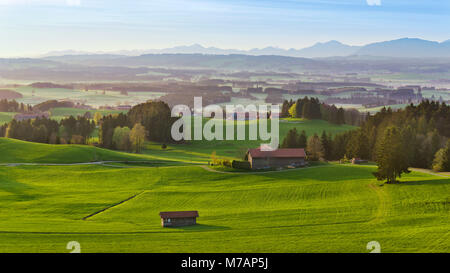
pixel 93 98
pixel 6 117
pixel 60 113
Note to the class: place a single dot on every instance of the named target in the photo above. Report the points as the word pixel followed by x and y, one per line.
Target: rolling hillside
pixel 16 151
pixel 335 208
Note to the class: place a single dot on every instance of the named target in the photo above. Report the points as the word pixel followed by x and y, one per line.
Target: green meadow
pixel 332 208
pixel 94 98
pixel 64 112
pixel 200 151
pixel 324 208
pixel 6 117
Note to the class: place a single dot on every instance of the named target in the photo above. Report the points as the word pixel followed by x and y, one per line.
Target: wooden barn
pixel 178 218
pixel 276 159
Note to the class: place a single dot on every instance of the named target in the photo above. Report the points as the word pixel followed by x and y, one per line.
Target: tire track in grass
pixel 112 206
pixel 384 203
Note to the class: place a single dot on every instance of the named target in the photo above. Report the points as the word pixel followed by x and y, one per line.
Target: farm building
pixel 358 161
pixel 178 218
pixel 23 116
pixel 276 159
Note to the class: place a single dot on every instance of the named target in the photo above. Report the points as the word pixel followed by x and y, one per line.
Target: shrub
pixel 226 163
pixel 243 165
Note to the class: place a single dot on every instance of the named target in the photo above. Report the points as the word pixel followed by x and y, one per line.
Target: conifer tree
pixel 392 159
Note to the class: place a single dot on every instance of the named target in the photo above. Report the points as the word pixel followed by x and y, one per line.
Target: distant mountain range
pixel 403 48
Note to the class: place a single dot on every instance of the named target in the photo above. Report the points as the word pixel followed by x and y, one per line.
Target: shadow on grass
pixel 19 190
pixel 201 227
pixel 424 182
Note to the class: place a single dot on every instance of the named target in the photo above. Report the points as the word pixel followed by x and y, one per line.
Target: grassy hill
pixel 335 208
pixel 200 151
pixel 328 208
pixel 6 117
pixel 64 112
pixel 17 151
pixel 192 152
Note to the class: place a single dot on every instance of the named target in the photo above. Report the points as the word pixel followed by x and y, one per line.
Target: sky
pixel 33 27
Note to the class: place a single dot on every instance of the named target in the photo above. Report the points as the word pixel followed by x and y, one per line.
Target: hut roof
pixel 178 214
pixel 290 152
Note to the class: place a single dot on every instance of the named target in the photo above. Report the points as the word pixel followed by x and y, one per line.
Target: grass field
pixel 333 208
pixel 200 151
pixel 16 151
pixel 193 152
pixel 94 98
pixel 6 117
pixel 63 112
pixel 325 208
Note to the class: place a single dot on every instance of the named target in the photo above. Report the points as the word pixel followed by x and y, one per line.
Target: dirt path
pixel 99 163
pixel 430 172
pixel 67 164
pixel 112 206
pixel 288 170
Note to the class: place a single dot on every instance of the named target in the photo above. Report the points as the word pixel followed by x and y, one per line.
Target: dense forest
pixel 312 108
pixel 68 131
pixel 151 120
pixel 154 116
pixel 14 106
pixel 421 132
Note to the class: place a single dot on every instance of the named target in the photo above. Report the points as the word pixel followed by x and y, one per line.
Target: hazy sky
pixel 38 26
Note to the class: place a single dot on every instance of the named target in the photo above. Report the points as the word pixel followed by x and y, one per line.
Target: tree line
pixel 43 130
pixel 312 108
pixel 417 136
pixel 151 120
pixel 127 132
pixel 14 106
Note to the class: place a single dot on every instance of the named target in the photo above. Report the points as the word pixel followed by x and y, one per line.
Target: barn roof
pixel 178 214
pixel 290 152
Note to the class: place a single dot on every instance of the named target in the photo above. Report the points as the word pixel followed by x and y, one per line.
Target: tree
pixel 294 140
pixel 340 118
pixel 392 159
pixel 107 126
pixel 285 108
pixel 156 117
pixel 77 139
pixel 358 145
pixel 87 115
pixel 214 158
pixel 302 140
pixel 293 111
pixel 137 137
pixel 97 117
pixel 314 148
pixel 291 139
pixel 325 141
pixel 441 161
pixel 121 138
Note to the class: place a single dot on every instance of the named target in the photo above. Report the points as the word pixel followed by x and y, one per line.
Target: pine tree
pixel 340 119
pixel 314 148
pixel 392 160
pixel 302 140
pixel 326 146
pixel 291 139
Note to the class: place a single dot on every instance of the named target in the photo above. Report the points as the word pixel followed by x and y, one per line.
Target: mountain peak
pixel 404 48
